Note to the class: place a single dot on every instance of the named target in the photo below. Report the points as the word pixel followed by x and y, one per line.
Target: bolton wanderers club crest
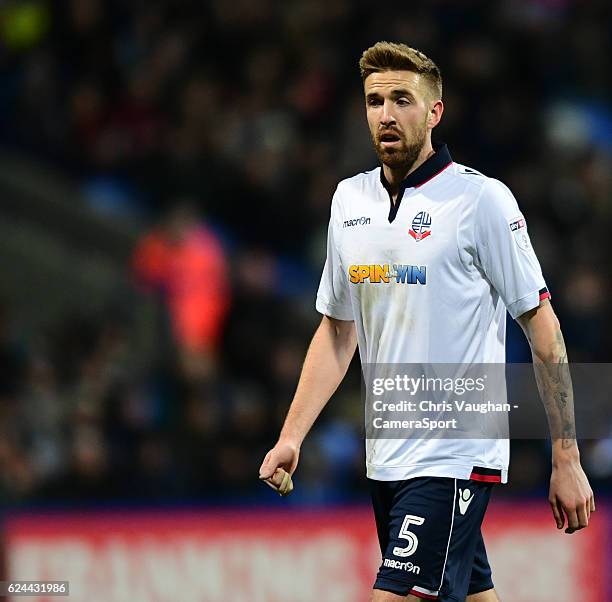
pixel 421 226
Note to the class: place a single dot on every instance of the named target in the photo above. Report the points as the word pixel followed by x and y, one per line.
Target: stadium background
pixel 166 170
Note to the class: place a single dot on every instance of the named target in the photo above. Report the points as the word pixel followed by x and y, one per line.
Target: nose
pixel 386 117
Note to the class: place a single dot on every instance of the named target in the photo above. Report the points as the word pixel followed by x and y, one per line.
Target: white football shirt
pixel 428 280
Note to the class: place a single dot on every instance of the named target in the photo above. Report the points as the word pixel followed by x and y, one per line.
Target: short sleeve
pixel 333 296
pixel 504 251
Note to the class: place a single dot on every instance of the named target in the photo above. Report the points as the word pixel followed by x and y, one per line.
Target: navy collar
pixel 437 163
pixel 429 169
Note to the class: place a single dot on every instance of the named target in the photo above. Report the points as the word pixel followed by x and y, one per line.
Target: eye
pixel 374 102
pixel 403 102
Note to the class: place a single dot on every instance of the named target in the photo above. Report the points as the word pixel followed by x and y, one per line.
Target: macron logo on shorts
pixel 465 499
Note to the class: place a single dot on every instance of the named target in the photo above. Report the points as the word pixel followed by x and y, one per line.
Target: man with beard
pixel 424 257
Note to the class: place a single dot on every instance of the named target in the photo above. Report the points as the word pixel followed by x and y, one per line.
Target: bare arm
pixel 329 355
pixel 570 492
pixel 552 375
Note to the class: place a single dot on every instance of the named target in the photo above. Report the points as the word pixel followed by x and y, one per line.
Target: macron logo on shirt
pixel 359 221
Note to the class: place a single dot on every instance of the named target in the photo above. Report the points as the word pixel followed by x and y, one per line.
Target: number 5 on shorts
pixel 404 533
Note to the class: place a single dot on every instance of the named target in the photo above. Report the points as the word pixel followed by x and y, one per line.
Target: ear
pixel 435 113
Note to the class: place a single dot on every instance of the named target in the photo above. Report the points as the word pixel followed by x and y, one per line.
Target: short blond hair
pixel 388 56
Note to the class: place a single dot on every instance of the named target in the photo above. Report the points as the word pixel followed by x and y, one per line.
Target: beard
pixel 405 154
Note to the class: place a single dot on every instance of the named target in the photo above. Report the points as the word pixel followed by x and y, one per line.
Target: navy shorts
pixel 430 538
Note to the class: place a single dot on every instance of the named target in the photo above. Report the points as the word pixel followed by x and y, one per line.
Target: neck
pixel 395 175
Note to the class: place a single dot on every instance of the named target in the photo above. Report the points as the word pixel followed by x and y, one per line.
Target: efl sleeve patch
pixel 518 227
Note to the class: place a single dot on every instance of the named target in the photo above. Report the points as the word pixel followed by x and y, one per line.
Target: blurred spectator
pixel 183 261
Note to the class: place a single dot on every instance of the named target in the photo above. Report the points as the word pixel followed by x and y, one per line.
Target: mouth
pixel 389 139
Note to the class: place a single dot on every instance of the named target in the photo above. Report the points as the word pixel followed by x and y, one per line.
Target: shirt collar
pixel 430 168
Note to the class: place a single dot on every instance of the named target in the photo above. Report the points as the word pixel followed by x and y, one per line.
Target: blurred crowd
pixel 224 127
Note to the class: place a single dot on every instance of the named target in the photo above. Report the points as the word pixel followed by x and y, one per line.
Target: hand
pixel 570 496
pixel 284 455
